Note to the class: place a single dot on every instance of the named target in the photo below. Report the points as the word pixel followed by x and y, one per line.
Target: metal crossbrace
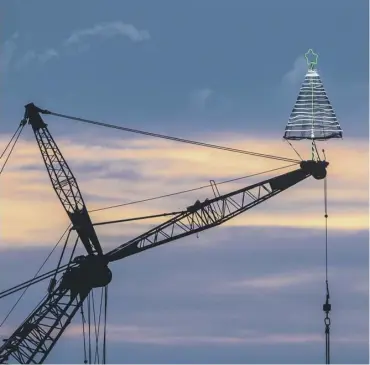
pixel 33 340
pixel 66 187
pixel 61 176
pixel 210 213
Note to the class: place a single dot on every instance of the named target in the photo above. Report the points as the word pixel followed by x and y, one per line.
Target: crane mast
pixel 33 340
pixel 37 335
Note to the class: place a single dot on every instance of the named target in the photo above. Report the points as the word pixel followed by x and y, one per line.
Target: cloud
pixel 41 57
pixel 77 39
pixel 199 98
pixel 169 337
pixel 171 167
pixel 282 280
pixel 108 30
pixel 165 299
pixel 7 55
pixel 7 52
pixel 47 55
pixel 276 281
pixel 296 74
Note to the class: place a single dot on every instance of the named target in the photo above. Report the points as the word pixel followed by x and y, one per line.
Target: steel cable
pixel 137 131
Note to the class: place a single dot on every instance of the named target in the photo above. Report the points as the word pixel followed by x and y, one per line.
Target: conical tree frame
pixel 313 116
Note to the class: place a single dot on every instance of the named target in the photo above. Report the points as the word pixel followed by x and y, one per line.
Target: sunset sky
pixel 222 72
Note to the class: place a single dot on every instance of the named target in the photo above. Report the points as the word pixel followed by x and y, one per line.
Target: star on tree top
pixel 311 58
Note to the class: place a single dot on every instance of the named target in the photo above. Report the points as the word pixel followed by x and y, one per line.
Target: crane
pixel 35 338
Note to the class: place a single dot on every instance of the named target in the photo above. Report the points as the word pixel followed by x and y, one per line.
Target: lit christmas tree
pixel 313 116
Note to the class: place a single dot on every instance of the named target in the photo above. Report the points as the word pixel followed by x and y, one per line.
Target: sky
pixel 222 72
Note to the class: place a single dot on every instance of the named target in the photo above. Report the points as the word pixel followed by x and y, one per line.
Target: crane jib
pixel 213 212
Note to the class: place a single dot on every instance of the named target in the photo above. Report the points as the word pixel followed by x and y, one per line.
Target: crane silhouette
pixel 34 339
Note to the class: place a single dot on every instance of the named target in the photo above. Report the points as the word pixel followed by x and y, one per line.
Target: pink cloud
pixel 170 337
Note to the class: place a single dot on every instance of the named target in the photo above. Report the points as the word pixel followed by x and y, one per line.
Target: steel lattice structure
pixel 33 340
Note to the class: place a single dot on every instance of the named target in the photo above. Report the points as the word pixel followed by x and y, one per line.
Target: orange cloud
pixel 31 213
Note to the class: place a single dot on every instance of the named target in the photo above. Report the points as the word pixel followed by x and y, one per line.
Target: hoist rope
pixel 138 218
pixel 19 131
pixel 318 155
pixel 84 334
pixel 53 280
pixel 97 359
pixel 189 190
pixel 291 145
pixel 137 131
pixel 105 324
pixel 95 328
pixel 30 281
pixel 11 139
pixel 327 305
pixel 89 324
pixel 95 320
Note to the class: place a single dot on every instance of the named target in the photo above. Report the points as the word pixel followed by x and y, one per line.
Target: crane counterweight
pixel 93 272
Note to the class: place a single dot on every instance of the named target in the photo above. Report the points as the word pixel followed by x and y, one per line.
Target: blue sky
pixel 216 71
pixel 239 51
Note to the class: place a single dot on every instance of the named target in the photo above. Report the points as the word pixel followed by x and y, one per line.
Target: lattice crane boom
pixel 213 212
pixel 63 180
pixel 33 340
